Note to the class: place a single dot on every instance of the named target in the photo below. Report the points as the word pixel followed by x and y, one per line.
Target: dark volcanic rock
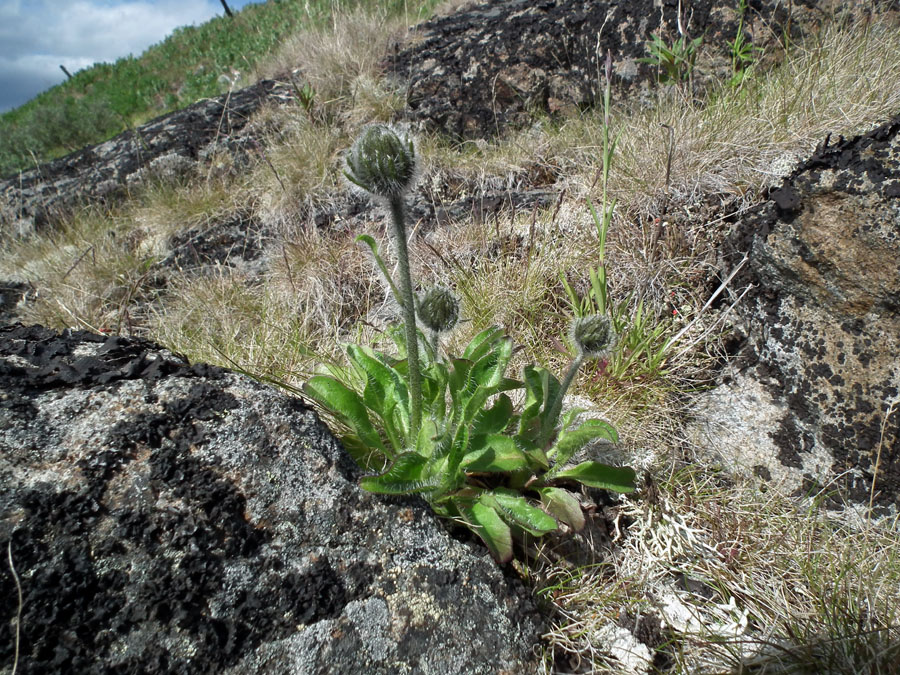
pixel 472 73
pixel 814 403
pixel 169 518
pixel 168 145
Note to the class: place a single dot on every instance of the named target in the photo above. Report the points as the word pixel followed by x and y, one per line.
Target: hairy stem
pixel 409 316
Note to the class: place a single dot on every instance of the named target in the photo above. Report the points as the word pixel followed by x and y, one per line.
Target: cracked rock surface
pixel 810 403
pixel 176 518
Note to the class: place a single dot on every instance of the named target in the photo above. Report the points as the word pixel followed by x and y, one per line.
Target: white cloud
pixel 39 35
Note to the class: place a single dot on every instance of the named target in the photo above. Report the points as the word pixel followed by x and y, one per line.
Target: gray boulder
pixel 813 401
pixel 169 518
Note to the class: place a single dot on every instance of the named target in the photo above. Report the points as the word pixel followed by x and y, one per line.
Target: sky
pixel 36 36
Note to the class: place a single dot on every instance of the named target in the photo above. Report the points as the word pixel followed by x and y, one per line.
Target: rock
pixel 168 146
pixel 475 72
pixel 816 399
pixel 11 294
pixel 169 518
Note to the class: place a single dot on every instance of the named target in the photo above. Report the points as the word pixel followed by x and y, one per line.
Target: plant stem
pixel 409 316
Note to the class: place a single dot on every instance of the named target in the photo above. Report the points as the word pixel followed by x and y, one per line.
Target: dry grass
pixel 743 581
pixel 319 287
pixel 730 142
pixel 341 64
pixel 100 269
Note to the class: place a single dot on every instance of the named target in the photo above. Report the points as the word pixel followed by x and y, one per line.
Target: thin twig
pixel 712 298
pixel 75 264
pixel 12 568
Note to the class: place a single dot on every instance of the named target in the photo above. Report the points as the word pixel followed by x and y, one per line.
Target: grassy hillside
pixel 773 574
pixel 194 62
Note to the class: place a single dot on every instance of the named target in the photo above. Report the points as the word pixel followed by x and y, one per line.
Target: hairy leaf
pixel 563 504
pixel 489 526
pixel 405 475
pixel 497 453
pixel 347 406
pixel 515 509
pixel 595 474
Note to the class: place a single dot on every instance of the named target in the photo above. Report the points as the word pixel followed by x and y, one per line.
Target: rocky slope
pixel 169 518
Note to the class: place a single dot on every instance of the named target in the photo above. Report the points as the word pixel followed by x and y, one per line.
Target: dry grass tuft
pixel 738 581
pixel 319 287
pixel 341 64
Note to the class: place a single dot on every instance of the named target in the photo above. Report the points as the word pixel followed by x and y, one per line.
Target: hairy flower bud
pixel 382 163
pixel 593 335
pixel 438 309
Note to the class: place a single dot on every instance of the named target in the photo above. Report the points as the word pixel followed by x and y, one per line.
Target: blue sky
pixel 36 36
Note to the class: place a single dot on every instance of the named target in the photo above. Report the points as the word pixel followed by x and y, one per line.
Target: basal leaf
pixel 571 441
pixel 534 452
pixel 494 419
pixel 489 526
pixel 515 509
pixel 489 370
pixel 497 453
pixel 563 504
pixel 428 436
pixel 481 343
pixel 347 406
pixel 595 474
pixel 405 475
pixel 365 359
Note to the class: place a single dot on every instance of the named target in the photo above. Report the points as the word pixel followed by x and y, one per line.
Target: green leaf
pixel 535 454
pixel 484 521
pixel 385 393
pixel 489 370
pixel 542 390
pixel 481 343
pixel 571 441
pixel 498 453
pixel 515 509
pixel 595 474
pixel 347 406
pixel 563 504
pixel 428 434
pixel 405 475
pixel 495 419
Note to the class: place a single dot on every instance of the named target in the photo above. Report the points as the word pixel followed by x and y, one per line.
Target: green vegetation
pixel 675 62
pixel 445 426
pixel 194 62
